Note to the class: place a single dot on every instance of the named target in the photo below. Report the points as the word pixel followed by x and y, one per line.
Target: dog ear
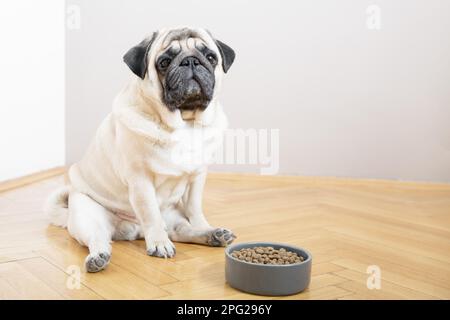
pixel 227 54
pixel 136 57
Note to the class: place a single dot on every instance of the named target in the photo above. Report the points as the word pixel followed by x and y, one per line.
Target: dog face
pixel 183 65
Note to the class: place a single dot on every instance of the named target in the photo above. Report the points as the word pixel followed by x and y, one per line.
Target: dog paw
pixel 162 249
pixel 221 237
pixel 97 262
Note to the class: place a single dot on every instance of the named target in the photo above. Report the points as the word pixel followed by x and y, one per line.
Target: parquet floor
pixel 348 225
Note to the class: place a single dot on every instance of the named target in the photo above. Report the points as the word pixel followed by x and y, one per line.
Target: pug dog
pixel 144 172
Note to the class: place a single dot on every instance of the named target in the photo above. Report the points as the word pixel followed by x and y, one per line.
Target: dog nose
pixel 190 61
pixel 193 90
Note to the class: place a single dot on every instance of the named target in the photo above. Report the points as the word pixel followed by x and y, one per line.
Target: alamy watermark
pixel 374 279
pixel 74 279
pixel 257 147
pixel 73 17
pixel 373 20
pixel 251 146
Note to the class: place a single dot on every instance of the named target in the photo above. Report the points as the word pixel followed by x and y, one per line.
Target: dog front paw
pixel 221 237
pixel 162 249
pixel 159 245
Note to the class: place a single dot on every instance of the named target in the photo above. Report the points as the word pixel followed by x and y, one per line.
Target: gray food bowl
pixel 266 279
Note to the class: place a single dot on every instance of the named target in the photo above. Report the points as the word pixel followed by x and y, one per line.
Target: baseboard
pixel 31 178
pixel 35 177
pixel 328 180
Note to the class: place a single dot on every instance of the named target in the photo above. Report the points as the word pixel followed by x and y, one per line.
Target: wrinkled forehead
pixel 186 39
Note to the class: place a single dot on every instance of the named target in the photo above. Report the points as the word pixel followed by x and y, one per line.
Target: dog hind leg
pixel 91 225
pixel 180 230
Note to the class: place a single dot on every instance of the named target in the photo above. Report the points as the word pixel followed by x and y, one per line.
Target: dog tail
pixel 57 206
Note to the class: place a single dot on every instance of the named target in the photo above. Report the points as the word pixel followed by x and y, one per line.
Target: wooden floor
pixel 348 225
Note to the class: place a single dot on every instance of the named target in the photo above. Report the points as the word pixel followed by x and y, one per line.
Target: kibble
pixel 267 255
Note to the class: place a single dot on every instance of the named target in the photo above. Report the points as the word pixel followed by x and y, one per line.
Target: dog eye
pixel 211 57
pixel 164 63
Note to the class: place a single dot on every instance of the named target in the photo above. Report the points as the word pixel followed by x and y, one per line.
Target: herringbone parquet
pixel 348 225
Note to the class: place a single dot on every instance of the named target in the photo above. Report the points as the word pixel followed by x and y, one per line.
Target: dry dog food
pixel 267 255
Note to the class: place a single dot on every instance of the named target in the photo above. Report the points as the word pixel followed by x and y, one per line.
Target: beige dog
pixel 143 174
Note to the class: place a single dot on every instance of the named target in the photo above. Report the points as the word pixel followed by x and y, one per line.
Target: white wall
pixel 348 101
pixel 32 86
